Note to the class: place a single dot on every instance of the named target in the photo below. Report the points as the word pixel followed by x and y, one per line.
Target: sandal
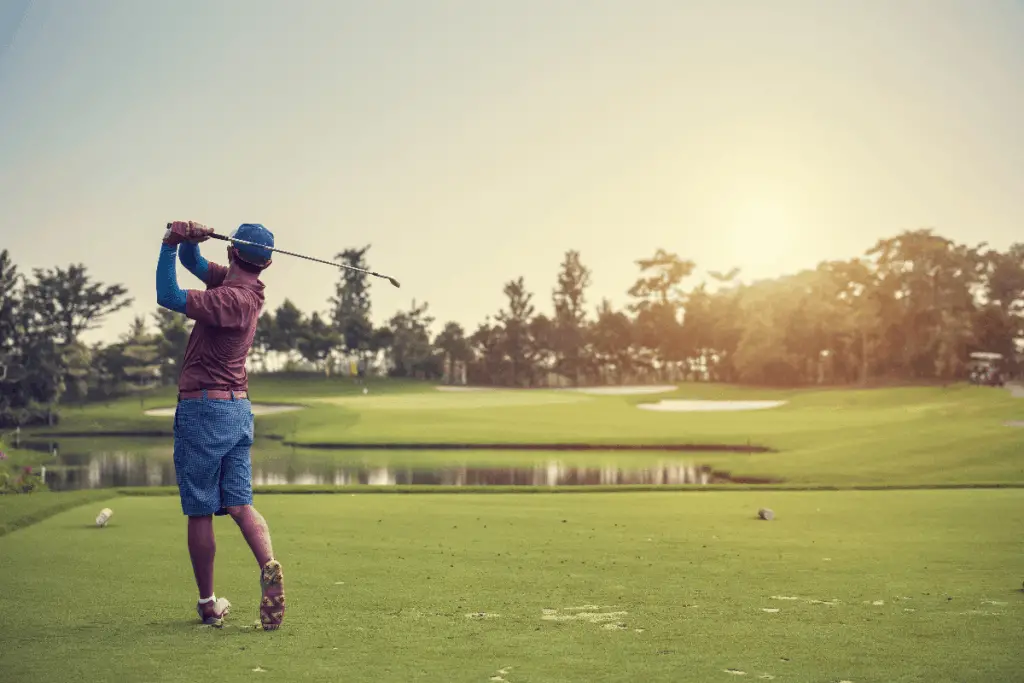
pixel 272 603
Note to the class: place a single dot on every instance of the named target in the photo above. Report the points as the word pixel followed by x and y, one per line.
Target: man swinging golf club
pixel 213 421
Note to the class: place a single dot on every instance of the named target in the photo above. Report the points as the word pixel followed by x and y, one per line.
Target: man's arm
pixel 168 294
pixel 218 307
pixel 211 274
pixel 193 261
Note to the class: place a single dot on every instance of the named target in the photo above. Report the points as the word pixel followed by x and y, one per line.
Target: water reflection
pixel 154 467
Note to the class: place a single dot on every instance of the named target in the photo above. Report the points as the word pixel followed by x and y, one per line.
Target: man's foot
pixel 213 613
pixel 272 602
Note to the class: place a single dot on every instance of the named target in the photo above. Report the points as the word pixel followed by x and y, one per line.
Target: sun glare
pixel 760 237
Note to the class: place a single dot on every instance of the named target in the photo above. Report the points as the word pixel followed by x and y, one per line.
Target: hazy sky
pixel 473 142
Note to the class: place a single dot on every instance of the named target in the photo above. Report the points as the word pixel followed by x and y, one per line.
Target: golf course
pixel 624 542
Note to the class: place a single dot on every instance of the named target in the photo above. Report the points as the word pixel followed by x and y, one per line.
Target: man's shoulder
pixel 249 290
pixel 254 287
pixel 243 293
pixel 215 274
pixel 229 305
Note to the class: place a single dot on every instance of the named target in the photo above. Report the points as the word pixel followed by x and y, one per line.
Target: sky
pixel 470 143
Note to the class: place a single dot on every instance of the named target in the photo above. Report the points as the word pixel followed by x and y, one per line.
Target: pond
pixel 108 463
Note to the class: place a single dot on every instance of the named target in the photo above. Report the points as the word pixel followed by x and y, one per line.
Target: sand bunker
pixel 1019 424
pixel 672 406
pixel 257 409
pixel 625 391
pixel 638 390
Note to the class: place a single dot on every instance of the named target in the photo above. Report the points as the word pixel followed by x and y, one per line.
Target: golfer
pixel 213 421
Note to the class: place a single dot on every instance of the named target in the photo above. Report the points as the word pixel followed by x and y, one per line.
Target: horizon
pixel 766 139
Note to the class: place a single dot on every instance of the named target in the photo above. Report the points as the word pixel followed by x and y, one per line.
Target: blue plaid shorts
pixel 212 464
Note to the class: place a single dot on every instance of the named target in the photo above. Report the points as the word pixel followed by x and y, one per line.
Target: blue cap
pixel 257 234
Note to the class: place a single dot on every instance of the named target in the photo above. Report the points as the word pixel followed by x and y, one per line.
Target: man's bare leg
pixel 255 531
pixel 202 548
pixel 257 534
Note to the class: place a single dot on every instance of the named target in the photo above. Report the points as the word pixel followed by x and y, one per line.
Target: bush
pixel 26 481
pixel 33 414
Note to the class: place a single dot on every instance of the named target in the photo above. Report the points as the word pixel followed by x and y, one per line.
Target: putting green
pixel 854 586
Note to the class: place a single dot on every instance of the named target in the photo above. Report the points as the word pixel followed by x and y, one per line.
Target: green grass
pixel 379 588
pixel 21 510
pixel 915 435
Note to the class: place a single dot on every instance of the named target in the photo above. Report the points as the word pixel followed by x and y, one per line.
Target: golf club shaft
pixel 308 258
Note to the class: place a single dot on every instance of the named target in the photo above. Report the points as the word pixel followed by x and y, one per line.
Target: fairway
pixel 486 585
pixel 455 400
pixel 855 586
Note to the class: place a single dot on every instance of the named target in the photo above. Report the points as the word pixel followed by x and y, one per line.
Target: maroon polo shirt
pixel 225 316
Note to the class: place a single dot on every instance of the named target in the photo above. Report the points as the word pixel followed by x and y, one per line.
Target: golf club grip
pixel 213 235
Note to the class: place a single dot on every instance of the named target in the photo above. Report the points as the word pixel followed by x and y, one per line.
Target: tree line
pixel 912 308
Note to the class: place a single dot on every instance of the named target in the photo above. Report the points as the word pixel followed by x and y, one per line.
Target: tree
pixel 29 343
pixel 542 333
pixel 351 302
pixel 10 281
pixel 658 331
pixel 659 337
pixel 380 343
pixel 289 324
pixel 70 303
pixel 660 278
pixel 108 363
pixel 79 373
pixel 927 283
pixel 764 354
pixel 999 322
pixel 263 340
pixel 569 297
pixel 412 354
pixel 316 342
pixel 612 337
pixel 489 365
pixel 454 346
pixel 143 365
pixel 859 304
pixel 172 342
pixel 516 323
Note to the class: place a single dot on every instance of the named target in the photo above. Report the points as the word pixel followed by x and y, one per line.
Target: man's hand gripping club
pixel 186 231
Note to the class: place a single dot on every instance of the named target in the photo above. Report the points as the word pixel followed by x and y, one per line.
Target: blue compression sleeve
pixel 168 293
pixel 193 261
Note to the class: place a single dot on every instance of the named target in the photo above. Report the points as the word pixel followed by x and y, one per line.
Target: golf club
pixel 224 238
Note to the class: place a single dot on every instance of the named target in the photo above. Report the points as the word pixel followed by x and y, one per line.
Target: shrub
pixel 26 481
pixel 33 414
